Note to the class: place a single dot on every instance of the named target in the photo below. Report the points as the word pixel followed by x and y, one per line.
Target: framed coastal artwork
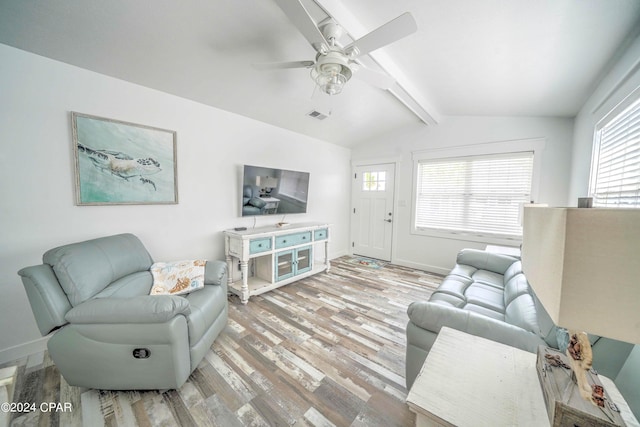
pixel 121 163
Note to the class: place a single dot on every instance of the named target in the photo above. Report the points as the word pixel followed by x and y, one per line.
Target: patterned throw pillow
pixel 179 277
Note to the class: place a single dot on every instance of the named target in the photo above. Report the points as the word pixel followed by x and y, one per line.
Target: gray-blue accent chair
pixel 107 332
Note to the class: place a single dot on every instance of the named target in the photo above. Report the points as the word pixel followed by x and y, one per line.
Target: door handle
pixel 387 220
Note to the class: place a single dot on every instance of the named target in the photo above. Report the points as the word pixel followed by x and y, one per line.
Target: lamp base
pixel 565 405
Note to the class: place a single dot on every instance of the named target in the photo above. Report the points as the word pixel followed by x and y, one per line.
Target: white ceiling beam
pixel 403 89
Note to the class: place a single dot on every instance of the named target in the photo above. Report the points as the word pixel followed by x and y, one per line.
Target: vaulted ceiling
pixel 468 57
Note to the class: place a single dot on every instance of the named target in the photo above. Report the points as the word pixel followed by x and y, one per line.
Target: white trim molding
pixel 23 350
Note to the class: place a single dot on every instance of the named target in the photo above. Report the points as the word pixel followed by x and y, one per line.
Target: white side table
pixel 471 381
pixel 271 205
pixel 7 384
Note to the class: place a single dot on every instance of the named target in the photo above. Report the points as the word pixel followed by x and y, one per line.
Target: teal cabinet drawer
pixel 259 245
pixel 293 239
pixel 321 234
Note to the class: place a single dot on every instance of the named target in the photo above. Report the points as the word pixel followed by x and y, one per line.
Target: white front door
pixel 372 210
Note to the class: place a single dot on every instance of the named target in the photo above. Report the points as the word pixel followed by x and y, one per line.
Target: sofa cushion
pixel 515 287
pixel 483 260
pixel 520 306
pixel 141 309
pixel 462 270
pixel 489 278
pixel 513 270
pixel 132 285
pixel 454 285
pixel 86 268
pixel 521 312
pixel 486 296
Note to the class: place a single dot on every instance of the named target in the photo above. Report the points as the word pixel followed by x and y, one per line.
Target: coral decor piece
pixel 581 360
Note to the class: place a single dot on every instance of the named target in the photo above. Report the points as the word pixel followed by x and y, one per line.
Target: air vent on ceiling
pixel 317 115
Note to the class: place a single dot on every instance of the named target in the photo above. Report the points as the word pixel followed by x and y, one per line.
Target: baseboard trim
pixel 419 266
pixel 23 350
pixel 335 255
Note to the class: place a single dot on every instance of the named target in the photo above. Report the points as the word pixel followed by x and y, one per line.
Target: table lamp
pixel 584 266
pixel 268 183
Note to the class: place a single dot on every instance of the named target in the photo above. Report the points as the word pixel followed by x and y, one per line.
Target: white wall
pixel 37 176
pixel 438 254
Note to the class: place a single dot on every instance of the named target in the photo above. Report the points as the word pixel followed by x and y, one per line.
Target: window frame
pixel 535 145
pixel 629 101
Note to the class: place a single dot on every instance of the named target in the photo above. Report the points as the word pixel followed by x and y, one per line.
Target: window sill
pixel 468 236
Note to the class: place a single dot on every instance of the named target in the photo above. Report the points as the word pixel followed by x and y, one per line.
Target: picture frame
pixel 122 163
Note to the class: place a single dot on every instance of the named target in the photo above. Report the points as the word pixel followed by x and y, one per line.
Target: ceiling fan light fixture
pixel 335 63
pixel 334 85
pixel 330 77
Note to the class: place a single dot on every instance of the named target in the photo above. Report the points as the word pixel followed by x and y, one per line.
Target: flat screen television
pixel 269 191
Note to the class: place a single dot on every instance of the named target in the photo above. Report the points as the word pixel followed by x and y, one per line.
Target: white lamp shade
pixel 266 181
pixel 584 265
pixel 269 182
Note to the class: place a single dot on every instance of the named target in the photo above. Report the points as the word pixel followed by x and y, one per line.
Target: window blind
pixel 294 185
pixel 479 195
pixel 616 180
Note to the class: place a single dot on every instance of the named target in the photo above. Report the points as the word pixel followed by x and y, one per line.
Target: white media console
pixel 273 256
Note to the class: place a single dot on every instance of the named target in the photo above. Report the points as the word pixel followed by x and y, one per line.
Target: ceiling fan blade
pixel 298 14
pixel 388 33
pixel 374 78
pixel 280 65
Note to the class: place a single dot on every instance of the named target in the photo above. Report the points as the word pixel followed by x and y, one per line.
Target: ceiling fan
pixel 334 65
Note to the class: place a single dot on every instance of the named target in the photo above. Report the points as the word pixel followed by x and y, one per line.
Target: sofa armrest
pixel 433 316
pixel 215 273
pixel 47 299
pixel 140 309
pixel 483 260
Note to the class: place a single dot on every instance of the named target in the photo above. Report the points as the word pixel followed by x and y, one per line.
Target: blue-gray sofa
pixel 486 294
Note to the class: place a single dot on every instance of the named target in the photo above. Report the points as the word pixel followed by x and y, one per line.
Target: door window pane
pixel 374 181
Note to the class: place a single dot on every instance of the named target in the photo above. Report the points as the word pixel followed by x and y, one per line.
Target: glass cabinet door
pixel 284 265
pixel 303 259
pixel 293 262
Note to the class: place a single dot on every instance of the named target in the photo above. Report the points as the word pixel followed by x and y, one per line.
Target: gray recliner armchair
pixel 251 203
pixel 108 332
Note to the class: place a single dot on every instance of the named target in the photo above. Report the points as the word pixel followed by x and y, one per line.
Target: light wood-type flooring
pixel 326 350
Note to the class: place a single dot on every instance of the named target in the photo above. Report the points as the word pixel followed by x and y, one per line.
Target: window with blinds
pixel 294 184
pixel 615 175
pixel 478 195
